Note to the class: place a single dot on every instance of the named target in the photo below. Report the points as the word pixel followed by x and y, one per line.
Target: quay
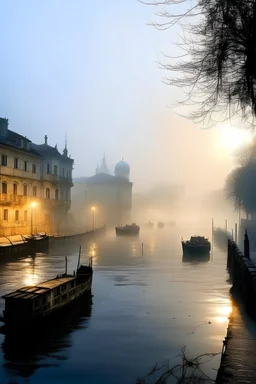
pixel 18 244
pixel 238 362
pixel 72 236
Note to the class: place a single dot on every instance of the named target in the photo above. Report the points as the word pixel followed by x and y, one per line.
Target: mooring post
pixel 230 255
pixel 246 245
pixel 236 233
pixel 142 246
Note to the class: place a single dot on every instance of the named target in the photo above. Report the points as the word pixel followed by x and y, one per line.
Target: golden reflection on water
pixel 223 313
pixel 93 252
pixel 134 249
pixel 152 245
pixel 31 279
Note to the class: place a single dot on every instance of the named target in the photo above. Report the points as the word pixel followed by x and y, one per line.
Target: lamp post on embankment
pixel 33 205
pixel 93 217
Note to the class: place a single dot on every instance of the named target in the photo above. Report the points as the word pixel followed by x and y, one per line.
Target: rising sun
pixel 229 138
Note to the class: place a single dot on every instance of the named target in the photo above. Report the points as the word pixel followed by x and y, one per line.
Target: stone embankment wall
pixel 243 275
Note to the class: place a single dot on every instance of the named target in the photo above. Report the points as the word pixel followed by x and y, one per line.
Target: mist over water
pixel 144 309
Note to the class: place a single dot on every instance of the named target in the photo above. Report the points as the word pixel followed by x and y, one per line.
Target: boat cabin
pixel 35 301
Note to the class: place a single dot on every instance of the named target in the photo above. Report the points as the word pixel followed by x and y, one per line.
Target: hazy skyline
pixel 89 70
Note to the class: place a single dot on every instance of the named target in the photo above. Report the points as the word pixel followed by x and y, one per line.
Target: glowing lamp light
pixel 34 204
pixel 93 208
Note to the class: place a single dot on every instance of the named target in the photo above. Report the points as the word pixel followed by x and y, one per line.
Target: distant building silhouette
pixel 109 195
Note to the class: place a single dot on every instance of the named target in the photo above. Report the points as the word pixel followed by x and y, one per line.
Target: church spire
pixel 65 151
pixel 104 168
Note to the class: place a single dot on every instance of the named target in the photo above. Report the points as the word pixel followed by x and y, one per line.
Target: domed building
pixel 104 198
pixel 122 169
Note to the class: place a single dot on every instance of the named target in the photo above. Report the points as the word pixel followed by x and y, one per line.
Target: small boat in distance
pixel 160 224
pixel 128 230
pixel 197 245
pixel 35 305
pixel 171 224
pixel 149 224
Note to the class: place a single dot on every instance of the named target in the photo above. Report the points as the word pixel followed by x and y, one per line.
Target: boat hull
pixel 53 314
pixel 127 232
pixel 195 250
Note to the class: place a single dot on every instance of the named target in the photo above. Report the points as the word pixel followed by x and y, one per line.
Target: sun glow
pixel 229 139
pixel 31 279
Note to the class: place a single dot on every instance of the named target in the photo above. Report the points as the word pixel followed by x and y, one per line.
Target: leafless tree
pixel 219 63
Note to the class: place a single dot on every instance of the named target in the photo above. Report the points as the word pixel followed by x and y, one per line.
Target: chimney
pixel 46 140
pixel 3 127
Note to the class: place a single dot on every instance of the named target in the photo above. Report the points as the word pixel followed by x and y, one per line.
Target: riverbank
pixel 18 244
pixel 238 363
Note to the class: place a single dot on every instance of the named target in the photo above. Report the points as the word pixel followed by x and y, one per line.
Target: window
pixel 33 168
pixel 34 191
pixel 4 187
pixel 55 170
pixel 63 172
pixel 25 190
pixel 25 166
pixel 15 189
pixel 47 193
pixel 25 215
pixel 16 215
pixel 16 163
pixel 6 214
pixel 48 168
pixel 56 194
pixel 4 160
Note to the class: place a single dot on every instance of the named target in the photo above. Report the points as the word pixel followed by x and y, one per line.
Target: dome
pixel 122 169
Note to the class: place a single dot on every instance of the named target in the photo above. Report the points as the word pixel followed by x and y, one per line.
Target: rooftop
pixel 104 178
pixel 30 292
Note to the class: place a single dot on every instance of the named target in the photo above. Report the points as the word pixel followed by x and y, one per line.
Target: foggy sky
pixel 89 69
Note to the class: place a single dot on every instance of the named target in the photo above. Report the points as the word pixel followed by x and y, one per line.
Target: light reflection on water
pixel 145 308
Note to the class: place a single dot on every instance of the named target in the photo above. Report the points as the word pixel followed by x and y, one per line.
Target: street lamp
pixel 93 214
pixel 33 205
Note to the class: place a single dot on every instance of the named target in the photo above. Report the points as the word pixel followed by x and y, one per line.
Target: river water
pixel 145 309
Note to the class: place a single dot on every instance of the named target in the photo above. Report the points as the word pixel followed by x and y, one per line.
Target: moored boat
pixel 33 305
pixel 160 224
pixel 128 230
pixel 149 224
pixel 197 245
pixel 38 240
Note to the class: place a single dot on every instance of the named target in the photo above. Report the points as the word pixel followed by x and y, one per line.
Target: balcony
pixel 53 204
pixel 13 172
pixel 9 199
pixel 56 179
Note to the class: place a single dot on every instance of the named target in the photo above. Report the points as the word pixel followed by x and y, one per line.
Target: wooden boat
pixel 160 224
pixel 128 230
pixel 37 240
pixel 197 245
pixel 34 305
pixel 149 224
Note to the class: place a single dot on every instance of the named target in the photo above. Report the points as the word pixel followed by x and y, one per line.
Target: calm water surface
pixel 144 309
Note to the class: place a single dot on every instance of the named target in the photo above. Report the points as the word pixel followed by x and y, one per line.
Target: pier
pixel 238 362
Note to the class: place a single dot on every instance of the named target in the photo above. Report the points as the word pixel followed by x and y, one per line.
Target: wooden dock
pixel 238 363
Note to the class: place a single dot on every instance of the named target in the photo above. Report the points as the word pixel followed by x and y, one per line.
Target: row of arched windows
pixel 34 191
